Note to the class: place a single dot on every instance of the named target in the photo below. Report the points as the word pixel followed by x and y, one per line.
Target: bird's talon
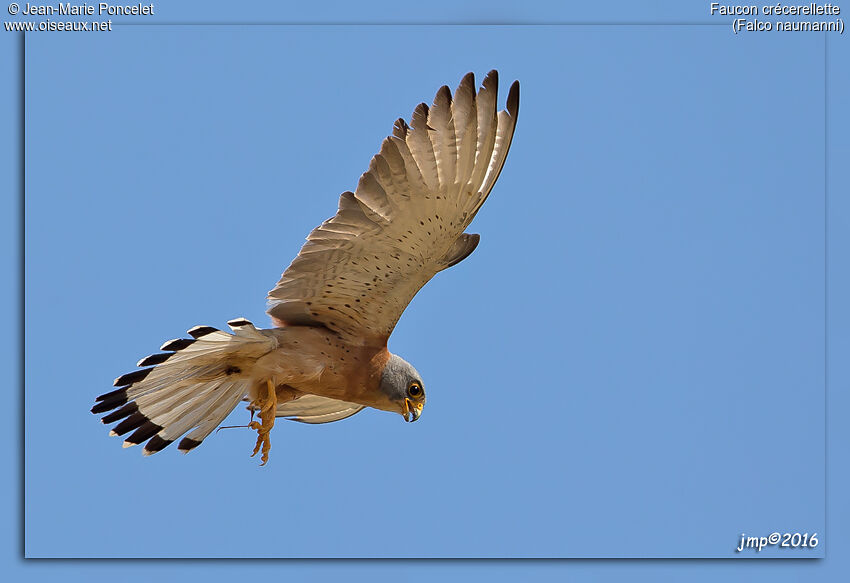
pixel 267 405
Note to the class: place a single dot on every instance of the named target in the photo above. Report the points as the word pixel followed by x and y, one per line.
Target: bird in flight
pixel 336 305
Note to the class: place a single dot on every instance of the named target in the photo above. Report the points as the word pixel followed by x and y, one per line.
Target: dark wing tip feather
pixel 110 394
pixel 110 401
pixel 186 445
pixel 155 359
pixel 513 100
pixel 491 81
pixel 147 430
pixel 400 128
pixel 132 422
pixel 466 87
pixel 132 377
pixel 199 331
pixel 124 411
pixel 419 119
pixel 178 344
pixel 156 444
pixel 443 96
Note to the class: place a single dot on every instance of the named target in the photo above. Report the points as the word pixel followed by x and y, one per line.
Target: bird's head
pixel 403 385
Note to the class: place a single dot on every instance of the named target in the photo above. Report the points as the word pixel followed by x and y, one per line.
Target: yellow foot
pixel 268 407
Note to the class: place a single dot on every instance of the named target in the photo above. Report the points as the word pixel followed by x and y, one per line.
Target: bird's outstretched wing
pixel 358 270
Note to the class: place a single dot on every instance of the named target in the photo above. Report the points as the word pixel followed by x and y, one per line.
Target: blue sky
pixel 632 364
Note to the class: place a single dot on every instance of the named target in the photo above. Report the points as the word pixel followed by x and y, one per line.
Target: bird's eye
pixel 414 390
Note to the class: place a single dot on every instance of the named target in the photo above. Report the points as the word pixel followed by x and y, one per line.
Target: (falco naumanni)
pixel 336 305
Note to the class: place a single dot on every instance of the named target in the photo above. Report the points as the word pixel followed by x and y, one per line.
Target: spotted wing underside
pixel 405 222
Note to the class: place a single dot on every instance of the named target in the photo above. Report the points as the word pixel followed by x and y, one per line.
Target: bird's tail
pixel 190 387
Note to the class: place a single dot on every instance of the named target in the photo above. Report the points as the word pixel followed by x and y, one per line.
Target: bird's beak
pixel 411 410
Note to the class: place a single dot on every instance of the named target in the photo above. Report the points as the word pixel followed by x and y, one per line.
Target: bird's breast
pixel 317 361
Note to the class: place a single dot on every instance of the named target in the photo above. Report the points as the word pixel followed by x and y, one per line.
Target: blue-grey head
pixel 403 385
